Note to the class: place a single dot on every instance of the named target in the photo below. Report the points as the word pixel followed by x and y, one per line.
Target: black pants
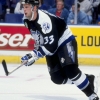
pixel 62 64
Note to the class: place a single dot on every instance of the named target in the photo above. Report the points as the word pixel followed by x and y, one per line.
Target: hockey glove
pixel 31 57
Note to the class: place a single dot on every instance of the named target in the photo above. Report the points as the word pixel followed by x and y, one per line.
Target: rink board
pixel 15 37
pixel 82 61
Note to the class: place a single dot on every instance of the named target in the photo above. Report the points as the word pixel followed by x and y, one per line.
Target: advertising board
pixel 88 38
pixel 15 37
pixel 15 41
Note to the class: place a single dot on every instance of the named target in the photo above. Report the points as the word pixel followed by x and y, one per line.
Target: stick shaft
pixel 6 68
pixel 17 67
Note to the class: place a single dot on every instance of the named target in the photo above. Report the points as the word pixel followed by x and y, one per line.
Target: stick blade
pixel 5 67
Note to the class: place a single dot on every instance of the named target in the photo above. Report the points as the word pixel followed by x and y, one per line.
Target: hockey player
pixel 55 41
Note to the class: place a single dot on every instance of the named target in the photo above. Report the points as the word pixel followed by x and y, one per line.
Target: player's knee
pixel 57 80
pixel 72 70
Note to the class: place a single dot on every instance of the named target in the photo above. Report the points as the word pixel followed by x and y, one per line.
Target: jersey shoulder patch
pixel 45 22
pixel 46 27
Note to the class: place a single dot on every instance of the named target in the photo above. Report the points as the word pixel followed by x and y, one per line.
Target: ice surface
pixel 33 83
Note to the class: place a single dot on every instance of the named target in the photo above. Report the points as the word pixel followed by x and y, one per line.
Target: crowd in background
pixel 88 11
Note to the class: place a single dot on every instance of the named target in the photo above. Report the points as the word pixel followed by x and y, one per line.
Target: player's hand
pixel 31 58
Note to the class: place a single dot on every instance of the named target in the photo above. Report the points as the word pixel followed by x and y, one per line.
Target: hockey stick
pixel 6 69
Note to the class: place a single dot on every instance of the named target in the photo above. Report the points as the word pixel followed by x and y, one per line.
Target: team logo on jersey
pixel 46 26
pixel 62 60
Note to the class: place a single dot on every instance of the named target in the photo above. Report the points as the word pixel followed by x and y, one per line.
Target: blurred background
pixel 82 16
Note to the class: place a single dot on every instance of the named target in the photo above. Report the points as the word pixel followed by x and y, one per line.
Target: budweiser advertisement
pixel 15 37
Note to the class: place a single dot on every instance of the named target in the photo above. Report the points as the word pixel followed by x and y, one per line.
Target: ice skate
pixel 94 97
pixel 94 82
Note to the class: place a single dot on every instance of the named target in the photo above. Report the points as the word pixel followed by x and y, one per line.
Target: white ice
pixel 33 83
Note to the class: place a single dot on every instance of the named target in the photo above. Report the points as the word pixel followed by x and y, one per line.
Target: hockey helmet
pixel 33 2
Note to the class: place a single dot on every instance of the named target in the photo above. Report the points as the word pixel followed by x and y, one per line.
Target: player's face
pixel 27 10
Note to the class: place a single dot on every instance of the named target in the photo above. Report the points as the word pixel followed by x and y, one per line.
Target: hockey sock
pixel 82 82
pixel 79 79
pixel 67 81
